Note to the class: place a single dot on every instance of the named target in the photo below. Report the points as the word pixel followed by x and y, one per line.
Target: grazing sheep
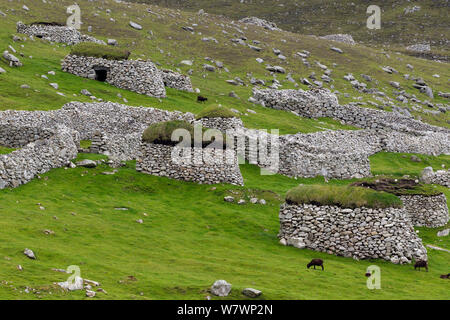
pixel 201 99
pixel 314 263
pixel 368 274
pixel 421 264
pixel 445 276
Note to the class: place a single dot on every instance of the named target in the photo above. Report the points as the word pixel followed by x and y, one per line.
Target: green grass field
pixel 189 237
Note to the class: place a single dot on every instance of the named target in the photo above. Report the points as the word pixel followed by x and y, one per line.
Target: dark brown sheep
pixel 421 264
pixel 445 276
pixel 368 274
pixel 314 263
pixel 201 99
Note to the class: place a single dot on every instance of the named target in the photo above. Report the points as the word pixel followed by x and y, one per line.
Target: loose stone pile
pixel 344 38
pixel 139 76
pixel 201 165
pixel 426 211
pixel 361 233
pixel 260 23
pixel 55 33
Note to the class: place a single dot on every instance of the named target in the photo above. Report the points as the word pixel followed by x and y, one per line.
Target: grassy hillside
pixel 429 24
pixel 165 42
pixel 189 236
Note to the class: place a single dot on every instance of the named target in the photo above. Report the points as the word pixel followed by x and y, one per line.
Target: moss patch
pixel 215 111
pixel 341 196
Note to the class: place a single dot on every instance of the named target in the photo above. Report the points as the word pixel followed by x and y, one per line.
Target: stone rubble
pixel 55 33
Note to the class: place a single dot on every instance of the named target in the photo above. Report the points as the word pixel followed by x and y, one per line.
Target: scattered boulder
pixel 29 253
pixel 87 163
pixel 443 233
pixel 251 293
pixel 221 288
pixel 229 199
pixel 76 284
pixel 336 50
pixel 135 25
pixel 112 42
pixel 13 60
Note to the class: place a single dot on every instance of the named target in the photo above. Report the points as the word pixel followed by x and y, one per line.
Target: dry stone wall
pixel 318 103
pixel 426 211
pixel 135 75
pixel 14 136
pixel 118 126
pixel 38 157
pixel 60 34
pixel 157 159
pixel 360 233
pixel 176 80
pixel 222 124
pixel 441 177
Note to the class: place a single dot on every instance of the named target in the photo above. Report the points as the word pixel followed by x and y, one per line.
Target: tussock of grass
pixel 341 196
pixel 215 111
pixel 87 49
pixel 5 150
pixel 161 133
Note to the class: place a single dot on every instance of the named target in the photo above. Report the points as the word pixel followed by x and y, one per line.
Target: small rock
pixel 252 293
pixel 29 253
pixel 228 199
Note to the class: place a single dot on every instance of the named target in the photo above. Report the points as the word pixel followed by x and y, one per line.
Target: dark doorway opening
pixel 101 73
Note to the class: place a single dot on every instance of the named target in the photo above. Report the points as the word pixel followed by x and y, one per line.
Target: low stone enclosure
pixel 55 33
pixel 426 211
pixel 361 233
pixel 201 165
pixel 135 75
pixel 338 220
pixel 116 130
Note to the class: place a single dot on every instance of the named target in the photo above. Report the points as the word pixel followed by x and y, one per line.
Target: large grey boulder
pixel 251 293
pixel 76 284
pixel 443 233
pixel 427 175
pixel 135 25
pixel 221 288
pixel 13 60
pixel 87 163
pixel 29 253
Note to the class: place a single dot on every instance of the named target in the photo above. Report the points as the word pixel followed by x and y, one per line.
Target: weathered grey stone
pixel 251 293
pixel 221 288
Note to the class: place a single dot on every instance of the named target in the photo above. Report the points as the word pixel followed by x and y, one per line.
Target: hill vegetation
pixel 402 23
pixel 190 236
